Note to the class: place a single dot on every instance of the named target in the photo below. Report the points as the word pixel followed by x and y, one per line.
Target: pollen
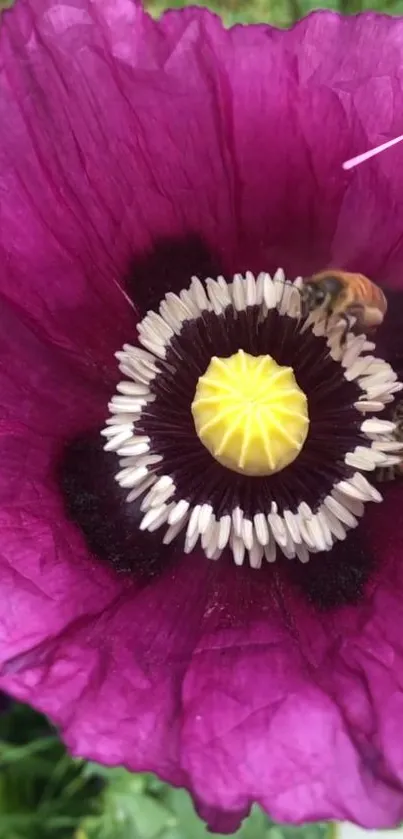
pixel 250 413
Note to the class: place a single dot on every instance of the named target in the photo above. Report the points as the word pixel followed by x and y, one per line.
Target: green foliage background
pixel 44 793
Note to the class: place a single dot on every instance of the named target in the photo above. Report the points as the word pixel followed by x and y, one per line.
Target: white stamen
pixel 391 461
pixel 322 519
pixel 354 505
pixel 155 517
pixel 350 489
pixel 291 521
pixel 239 293
pixel 256 555
pixel 306 534
pixel 294 303
pixel 190 301
pixel 261 529
pixel 116 427
pixel 259 288
pixel 147 330
pixel 289 548
pixel 270 551
pixel 169 314
pixel 305 510
pixel 279 277
pixel 361 483
pixel 269 292
pixel 225 530
pixel 155 348
pixel 358 368
pixel 247 534
pixel 116 441
pixel 134 449
pixel 302 553
pixel 190 539
pixel 143 460
pixel 250 289
pixel 361 458
pixel 361 158
pixel 131 477
pixel 126 404
pixel 173 531
pixel 198 292
pixel 179 512
pixel 388 445
pixel 179 306
pixel 140 489
pixel 208 537
pixel 316 534
pixel 367 407
pixel 160 326
pixel 133 389
pixel 377 426
pixel 284 302
pixel 353 351
pixel 205 517
pixel 237 516
pixel 335 525
pixel 216 296
pixel 278 530
pixel 238 549
pixel 163 488
pixel 123 293
pixel 340 511
pixel 139 374
pixel 124 419
pixel 382 377
pixel 193 526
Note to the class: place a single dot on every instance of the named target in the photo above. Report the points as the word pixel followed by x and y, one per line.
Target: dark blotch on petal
pixel 169 266
pixel 98 506
pixel 338 577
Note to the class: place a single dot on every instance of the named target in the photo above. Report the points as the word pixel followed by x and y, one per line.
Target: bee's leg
pixel 346 328
pixel 390 473
pixel 328 316
pixel 356 311
pixel 398 418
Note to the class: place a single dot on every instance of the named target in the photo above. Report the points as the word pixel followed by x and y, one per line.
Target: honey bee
pixel 341 293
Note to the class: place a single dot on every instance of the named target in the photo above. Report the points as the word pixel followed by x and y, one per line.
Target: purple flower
pixel 133 155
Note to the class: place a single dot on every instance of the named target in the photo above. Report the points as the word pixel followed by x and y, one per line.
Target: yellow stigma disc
pixel 250 413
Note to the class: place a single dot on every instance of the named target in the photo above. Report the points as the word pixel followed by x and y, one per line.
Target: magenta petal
pixel 241 155
pixel 122 133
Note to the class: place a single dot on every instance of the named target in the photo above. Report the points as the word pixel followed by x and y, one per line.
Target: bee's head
pixel 319 291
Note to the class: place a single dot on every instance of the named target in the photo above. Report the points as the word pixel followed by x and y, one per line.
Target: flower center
pixel 212 430
pixel 250 413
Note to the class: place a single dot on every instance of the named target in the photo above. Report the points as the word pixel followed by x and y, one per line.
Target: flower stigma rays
pixel 232 482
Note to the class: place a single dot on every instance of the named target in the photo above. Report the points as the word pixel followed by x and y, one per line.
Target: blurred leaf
pixel 128 810
pixel 276 12
pixel 43 791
